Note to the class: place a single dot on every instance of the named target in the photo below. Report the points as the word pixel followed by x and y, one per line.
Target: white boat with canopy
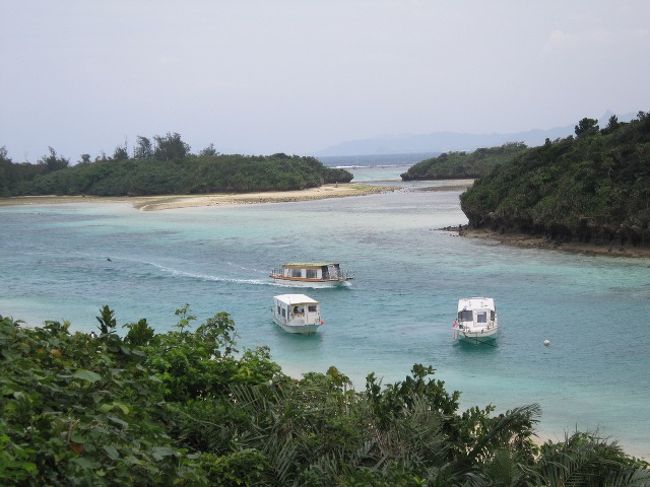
pixel 297 313
pixel 311 274
pixel 477 319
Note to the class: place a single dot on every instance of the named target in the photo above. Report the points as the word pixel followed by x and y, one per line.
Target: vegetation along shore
pixel 186 407
pixel 593 188
pixel 163 166
pixel 463 165
pixel 527 241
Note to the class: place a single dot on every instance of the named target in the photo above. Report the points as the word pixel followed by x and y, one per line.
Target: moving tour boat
pixel 297 313
pixel 315 274
pixel 477 319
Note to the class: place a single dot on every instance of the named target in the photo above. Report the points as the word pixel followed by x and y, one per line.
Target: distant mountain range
pixel 438 142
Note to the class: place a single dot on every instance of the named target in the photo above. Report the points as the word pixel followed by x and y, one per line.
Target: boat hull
pixel 315 283
pixel 298 329
pixel 477 336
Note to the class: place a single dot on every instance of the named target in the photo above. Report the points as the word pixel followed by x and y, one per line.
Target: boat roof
pixel 476 304
pixel 302 265
pixel 292 299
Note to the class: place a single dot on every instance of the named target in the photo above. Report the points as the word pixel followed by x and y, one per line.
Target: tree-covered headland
pixel 592 187
pixel 187 408
pixel 162 166
pixel 463 165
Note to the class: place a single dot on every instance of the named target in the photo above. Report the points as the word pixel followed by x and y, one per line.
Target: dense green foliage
pixel 459 165
pixel 163 167
pixel 186 408
pixel 594 187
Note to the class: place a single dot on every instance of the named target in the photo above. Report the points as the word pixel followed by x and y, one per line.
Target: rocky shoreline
pixel 539 242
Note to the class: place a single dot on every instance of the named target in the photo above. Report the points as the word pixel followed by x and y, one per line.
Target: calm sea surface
pixel 409 276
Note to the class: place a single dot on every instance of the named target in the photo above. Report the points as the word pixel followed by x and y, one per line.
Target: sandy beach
pixel 166 202
pixel 529 241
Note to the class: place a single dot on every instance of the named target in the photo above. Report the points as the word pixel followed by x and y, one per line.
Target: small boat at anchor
pixel 297 313
pixel 311 274
pixel 477 320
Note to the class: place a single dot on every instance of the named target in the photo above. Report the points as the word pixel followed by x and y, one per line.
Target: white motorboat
pixel 477 319
pixel 297 313
pixel 311 274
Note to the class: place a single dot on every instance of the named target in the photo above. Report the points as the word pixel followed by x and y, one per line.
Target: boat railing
pixel 341 276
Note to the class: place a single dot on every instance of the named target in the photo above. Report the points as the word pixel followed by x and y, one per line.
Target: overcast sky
pixel 299 75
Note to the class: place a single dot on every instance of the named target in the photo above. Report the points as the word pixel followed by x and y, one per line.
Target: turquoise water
pixel 409 276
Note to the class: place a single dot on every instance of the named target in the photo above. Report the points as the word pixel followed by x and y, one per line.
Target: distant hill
pixel 438 142
pixel 151 176
pixel 460 165
pixel 594 187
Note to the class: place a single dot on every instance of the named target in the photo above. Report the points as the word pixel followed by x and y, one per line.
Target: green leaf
pixel 78 438
pixel 160 452
pixel 111 451
pixel 109 406
pixel 85 462
pixel 118 421
pixel 87 375
pixel 123 407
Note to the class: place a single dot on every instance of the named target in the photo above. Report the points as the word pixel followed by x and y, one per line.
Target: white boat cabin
pixel 477 318
pixel 297 313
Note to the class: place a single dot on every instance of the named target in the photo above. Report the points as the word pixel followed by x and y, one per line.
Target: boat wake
pixel 208 277
pixel 246 268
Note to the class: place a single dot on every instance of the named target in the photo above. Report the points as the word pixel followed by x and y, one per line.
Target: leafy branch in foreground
pixel 185 407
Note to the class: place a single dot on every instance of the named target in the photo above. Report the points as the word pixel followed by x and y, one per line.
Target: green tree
pixel 143 148
pixel 139 334
pixel 586 126
pixel 209 151
pixel 4 155
pixel 170 148
pixel 107 322
pixel 612 123
pixel 120 153
pixel 52 162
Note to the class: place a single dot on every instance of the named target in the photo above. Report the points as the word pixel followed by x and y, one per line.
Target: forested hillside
pixel 186 408
pixel 463 165
pixel 163 167
pixel 594 187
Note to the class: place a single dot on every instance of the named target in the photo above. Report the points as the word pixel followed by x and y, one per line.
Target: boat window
pixel 481 317
pixel 312 308
pixel 284 313
pixel 465 315
pixel 279 312
pixel 491 315
pixel 296 273
pixel 311 273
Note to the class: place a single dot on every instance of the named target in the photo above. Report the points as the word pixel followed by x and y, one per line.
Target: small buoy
pixel 547 343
